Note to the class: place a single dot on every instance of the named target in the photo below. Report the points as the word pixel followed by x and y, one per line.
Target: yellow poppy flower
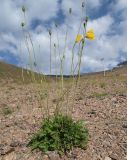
pixel 78 38
pixel 90 35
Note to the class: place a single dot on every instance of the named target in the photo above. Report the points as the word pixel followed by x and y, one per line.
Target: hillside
pixel 99 101
pixel 15 74
pixel 9 71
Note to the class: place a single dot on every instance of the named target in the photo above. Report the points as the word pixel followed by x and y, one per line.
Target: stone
pixel 6 150
pixel 114 157
pixel 53 156
pixel 124 125
pixel 14 144
pixel 107 158
pixel 45 157
pixel 106 144
pixel 10 156
pixel 1 146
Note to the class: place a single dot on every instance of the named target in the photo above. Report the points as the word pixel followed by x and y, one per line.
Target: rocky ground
pixel 100 101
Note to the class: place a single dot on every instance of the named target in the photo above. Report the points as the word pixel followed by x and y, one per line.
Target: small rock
pixel 125 145
pixel 124 125
pixel 107 158
pixel 6 150
pixel 92 112
pixel 7 125
pixel 53 156
pixel 106 144
pixel 45 157
pixel 14 143
pixel 10 156
pixel 1 146
pixel 114 157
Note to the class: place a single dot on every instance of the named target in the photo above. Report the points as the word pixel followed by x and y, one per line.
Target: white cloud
pixel 110 38
pixel 8 43
pixel 11 14
pixel 120 5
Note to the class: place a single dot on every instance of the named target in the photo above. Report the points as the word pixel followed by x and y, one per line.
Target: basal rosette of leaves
pixel 60 133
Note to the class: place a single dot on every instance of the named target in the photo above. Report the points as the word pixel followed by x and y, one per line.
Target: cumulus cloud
pixel 9 16
pixel 120 5
pixel 110 42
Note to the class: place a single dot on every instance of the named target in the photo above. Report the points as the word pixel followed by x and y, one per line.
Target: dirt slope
pixel 100 101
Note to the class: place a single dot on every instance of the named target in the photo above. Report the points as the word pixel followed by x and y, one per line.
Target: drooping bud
pixel 56 25
pixel 35 64
pixel 54 45
pixel 22 24
pixel 23 8
pixel 87 18
pixel 70 10
pixel 83 4
pixel 84 24
pixel 50 32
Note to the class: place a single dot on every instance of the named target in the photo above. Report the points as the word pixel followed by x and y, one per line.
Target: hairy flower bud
pixel 50 32
pixel 84 24
pixel 56 25
pixel 23 8
pixel 87 18
pixel 70 10
pixel 22 24
pixel 83 4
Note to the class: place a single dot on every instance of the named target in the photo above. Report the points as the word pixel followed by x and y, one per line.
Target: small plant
pixel 102 85
pixel 60 133
pixel 6 111
pixel 100 95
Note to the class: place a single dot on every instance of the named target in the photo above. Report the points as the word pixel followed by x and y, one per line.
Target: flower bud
pixel 87 18
pixel 83 4
pixel 50 32
pixel 84 24
pixel 54 45
pixel 23 8
pixel 22 24
pixel 56 25
pixel 70 10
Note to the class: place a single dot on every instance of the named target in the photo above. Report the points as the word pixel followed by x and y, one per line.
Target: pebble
pixel 6 150
pixel 10 156
pixel 107 158
pixel 53 156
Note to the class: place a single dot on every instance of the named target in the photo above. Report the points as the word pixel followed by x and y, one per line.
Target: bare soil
pixel 100 101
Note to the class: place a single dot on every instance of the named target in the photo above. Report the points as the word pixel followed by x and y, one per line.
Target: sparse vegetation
pixel 59 102
pixel 102 85
pixel 100 95
pixel 101 116
pixel 60 133
pixel 6 111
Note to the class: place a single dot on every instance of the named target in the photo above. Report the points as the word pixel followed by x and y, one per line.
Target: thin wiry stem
pixel 28 49
pixel 22 66
pixel 55 61
pixel 50 54
pixel 63 57
pixel 72 60
pixel 58 43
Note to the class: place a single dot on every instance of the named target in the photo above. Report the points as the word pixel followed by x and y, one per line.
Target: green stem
pixel 50 54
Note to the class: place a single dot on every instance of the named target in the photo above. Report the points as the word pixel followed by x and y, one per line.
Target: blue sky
pixel 106 17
